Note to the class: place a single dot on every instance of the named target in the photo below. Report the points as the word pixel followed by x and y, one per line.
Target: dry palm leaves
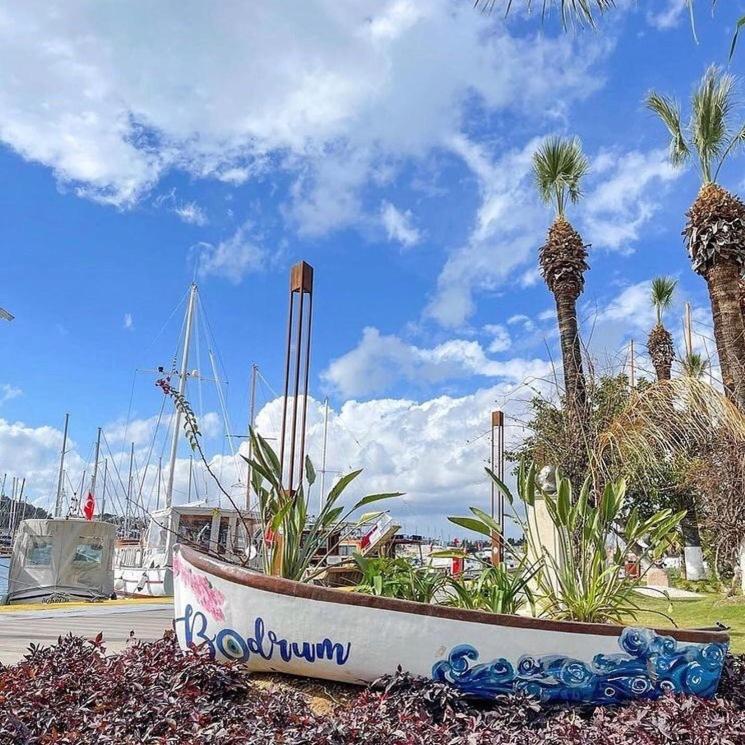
pixel 715 229
pixel 563 258
pixel 661 350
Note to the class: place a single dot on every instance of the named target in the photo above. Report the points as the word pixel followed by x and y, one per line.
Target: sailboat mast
pixel 95 463
pixel 251 424
pixel 58 501
pixel 129 490
pixel 322 496
pixel 183 372
pixel 103 491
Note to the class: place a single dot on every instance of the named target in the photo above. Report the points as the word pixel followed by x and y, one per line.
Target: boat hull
pixel 271 624
pixel 145 582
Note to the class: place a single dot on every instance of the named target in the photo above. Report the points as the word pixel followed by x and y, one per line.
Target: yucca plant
pixel 715 231
pixel 398 578
pixel 558 166
pixel 660 340
pixel 584 580
pixel 294 544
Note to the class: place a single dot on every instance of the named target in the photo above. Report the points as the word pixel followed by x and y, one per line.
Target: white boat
pixel 61 558
pixel 143 569
pixel 273 624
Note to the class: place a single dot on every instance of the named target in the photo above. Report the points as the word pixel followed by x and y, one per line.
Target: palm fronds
pixel 669 111
pixel 670 418
pixel 581 11
pixel 709 131
pixel 694 366
pixel 559 165
pixel 662 291
pixel 712 104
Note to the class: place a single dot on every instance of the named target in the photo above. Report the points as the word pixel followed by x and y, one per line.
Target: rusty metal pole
pixel 297 367
pixel 497 498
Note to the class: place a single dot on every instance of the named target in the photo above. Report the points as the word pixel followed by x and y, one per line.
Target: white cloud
pixel 501 340
pixel 501 239
pixel 618 207
pixel 523 320
pixel 91 95
pixel 378 362
pixel 670 16
pixel 9 392
pixel 232 258
pixel 434 450
pixel 128 322
pixel 398 225
pixel 191 213
pixel 33 453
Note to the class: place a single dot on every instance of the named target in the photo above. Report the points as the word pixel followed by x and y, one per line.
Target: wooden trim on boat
pixel 278 585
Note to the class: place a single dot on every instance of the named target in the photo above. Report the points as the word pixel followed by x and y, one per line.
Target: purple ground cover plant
pixel 74 692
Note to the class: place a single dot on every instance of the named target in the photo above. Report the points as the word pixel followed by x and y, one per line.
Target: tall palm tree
pixel 715 231
pixel 660 340
pixel 559 166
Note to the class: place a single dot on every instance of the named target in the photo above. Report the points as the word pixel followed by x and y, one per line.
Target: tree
pixel 715 231
pixel 559 166
pixel 660 341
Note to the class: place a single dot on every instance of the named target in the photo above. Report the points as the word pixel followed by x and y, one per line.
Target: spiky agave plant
pixel 660 340
pixel 559 166
pixel 715 231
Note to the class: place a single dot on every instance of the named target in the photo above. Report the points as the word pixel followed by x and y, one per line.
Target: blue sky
pixel 388 144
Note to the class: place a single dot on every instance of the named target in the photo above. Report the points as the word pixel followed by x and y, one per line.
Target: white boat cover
pixel 70 556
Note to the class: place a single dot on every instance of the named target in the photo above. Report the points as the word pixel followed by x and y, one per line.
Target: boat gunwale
pixel 280 586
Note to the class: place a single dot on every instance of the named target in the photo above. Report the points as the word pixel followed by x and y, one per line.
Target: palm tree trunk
pixel 727 380
pixel 723 279
pixel 571 350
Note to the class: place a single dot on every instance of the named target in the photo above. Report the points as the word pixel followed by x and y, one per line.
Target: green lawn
pixel 700 612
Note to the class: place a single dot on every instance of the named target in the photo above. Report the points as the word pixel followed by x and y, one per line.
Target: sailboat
pixel 144 567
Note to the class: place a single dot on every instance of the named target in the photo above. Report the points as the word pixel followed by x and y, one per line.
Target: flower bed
pixel 75 693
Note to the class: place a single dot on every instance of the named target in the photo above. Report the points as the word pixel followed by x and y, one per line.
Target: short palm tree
pixel 715 231
pixel 694 366
pixel 559 166
pixel 660 340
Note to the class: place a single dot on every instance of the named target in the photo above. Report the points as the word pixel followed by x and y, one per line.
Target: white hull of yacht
pixel 150 582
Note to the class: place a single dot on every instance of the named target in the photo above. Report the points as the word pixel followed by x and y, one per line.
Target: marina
pixel 365 382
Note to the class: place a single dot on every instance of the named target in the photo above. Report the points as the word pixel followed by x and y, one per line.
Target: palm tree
pixel 559 166
pixel 694 366
pixel 715 231
pixel 660 341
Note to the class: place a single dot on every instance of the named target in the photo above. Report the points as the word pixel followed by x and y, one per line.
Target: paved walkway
pixel 43 626
pixel 673 592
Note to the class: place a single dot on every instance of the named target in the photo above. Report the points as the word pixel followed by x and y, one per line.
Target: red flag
pixel 89 507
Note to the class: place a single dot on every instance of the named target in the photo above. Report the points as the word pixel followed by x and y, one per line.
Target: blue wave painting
pixel 650 665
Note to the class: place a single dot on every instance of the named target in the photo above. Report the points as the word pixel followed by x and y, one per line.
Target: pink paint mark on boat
pixel 209 597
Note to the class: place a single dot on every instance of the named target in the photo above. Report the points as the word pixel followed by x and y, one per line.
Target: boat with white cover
pixel 274 624
pixel 66 558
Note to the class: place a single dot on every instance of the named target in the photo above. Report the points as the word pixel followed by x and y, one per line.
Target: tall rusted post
pixel 297 370
pixel 497 498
